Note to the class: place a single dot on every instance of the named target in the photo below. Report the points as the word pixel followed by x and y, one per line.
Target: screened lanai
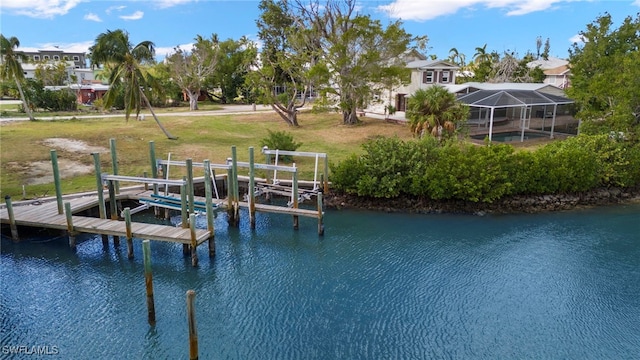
pixel 519 105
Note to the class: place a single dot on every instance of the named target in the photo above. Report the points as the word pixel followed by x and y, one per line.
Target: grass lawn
pixel 207 137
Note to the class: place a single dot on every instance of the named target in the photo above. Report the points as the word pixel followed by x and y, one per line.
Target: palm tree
pixel 435 111
pixel 481 54
pixel 11 67
pixel 127 72
pixel 456 57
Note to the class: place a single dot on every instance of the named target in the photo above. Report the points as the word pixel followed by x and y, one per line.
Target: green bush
pixel 281 140
pixel 452 170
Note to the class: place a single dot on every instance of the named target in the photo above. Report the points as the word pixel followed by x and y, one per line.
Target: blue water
pixel 376 286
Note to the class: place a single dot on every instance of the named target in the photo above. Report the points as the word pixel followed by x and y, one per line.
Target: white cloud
pixel 577 38
pixel 135 16
pixel 427 10
pixel 163 4
pixel 92 17
pixel 166 51
pixel 636 3
pixel 111 9
pixel 39 8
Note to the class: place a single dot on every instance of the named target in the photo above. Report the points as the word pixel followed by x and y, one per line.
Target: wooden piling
pixel 56 180
pixel 184 213
pixel 101 205
pixel 127 221
pixel 230 201
pixel 236 187
pixel 320 215
pixel 146 185
pixel 194 244
pixel 268 162
pixel 154 165
pixel 12 219
pixel 295 199
pixel 114 161
pixel 190 189
pixel 70 229
pixel 252 196
pixel 113 208
pixel 191 320
pixel 209 203
pixel 148 281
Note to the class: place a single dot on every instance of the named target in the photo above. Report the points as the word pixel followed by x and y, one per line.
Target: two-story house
pixel 424 74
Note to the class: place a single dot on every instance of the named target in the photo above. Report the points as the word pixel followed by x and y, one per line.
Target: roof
pixel 431 64
pixel 511 98
pixel 550 63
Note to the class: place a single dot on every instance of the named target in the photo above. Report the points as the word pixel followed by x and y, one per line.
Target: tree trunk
pixel 24 99
pixel 193 100
pixel 349 117
pixel 289 115
pixel 166 133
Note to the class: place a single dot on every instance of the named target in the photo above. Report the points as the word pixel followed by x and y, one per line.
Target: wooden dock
pixel 45 215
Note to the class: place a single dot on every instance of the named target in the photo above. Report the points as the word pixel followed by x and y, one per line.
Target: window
pixel 56 57
pixel 36 57
pixel 46 57
pixel 427 77
pixel 76 58
pixel 446 76
pixel 65 57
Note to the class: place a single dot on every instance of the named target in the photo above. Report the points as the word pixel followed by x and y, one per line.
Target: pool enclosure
pixel 491 107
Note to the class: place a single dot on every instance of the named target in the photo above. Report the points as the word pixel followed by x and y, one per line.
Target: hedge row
pixel 458 170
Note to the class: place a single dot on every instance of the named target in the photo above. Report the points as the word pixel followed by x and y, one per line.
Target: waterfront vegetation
pixel 392 167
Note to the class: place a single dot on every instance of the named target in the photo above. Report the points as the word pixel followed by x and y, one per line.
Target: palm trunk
pixel 24 100
pixel 166 133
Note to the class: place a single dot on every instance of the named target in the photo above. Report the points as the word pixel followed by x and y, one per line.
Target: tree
pixel 605 77
pixel 52 74
pixel 435 111
pixel 12 69
pixel 228 82
pixel 190 68
pixel 355 50
pixel 457 57
pixel 288 54
pixel 127 72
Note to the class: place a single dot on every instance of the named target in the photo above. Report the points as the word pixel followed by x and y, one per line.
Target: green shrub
pixel 280 140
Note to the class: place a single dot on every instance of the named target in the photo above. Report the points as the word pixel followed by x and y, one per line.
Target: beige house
pixel 556 71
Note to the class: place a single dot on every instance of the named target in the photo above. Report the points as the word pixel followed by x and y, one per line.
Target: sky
pixel 503 25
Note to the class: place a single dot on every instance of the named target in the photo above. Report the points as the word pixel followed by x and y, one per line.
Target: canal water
pixel 562 285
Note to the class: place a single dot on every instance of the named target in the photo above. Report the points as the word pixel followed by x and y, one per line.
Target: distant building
pixel 79 59
pixel 556 71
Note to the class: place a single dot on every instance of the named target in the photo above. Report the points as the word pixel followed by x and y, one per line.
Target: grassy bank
pixel 23 144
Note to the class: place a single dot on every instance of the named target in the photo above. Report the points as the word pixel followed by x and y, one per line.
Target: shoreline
pixel 520 204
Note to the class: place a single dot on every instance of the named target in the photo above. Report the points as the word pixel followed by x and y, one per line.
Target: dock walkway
pixel 44 214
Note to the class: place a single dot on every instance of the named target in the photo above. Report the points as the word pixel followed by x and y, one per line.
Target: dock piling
pixel 12 219
pixel 194 243
pixel 127 221
pixel 191 319
pixel 70 229
pixel 101 205
pixel 320 215
pixel 148 281
pixel 209 204
pixel 56 180
pixel 113 208
pixel 295 199
pixel 114 161
pixel 252 193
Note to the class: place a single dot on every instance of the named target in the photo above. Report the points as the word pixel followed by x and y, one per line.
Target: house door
pixel 401 104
